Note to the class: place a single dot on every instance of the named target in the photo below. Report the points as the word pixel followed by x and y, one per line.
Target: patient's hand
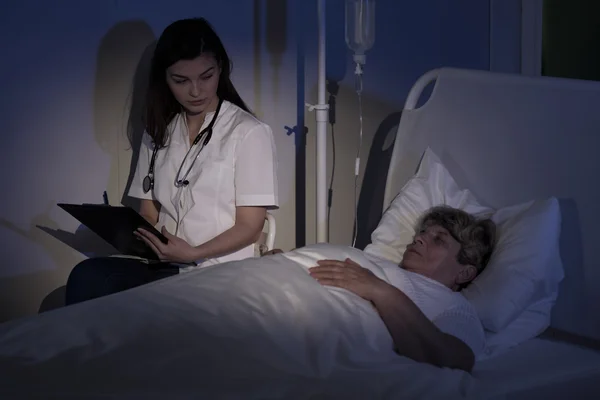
pixel 349 275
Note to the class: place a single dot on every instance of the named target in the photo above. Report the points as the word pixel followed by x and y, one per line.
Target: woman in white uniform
pixel 207 169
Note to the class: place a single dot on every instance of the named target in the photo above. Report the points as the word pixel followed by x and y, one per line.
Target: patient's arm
pixel 415 336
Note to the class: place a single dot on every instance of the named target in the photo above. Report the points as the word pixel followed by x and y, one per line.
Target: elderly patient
pixel 450 248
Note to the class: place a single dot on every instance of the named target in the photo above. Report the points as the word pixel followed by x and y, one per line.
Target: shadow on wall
pixel 14 303
pixel 569 304
pixel 370 204
pixel 256 33
pixel 273 41
pixel 121 77
pixel 275 38
pixel 122 72
pixel 135 122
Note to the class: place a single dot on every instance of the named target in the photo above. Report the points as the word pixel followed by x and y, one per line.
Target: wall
pixel 505 35
pixel 72 83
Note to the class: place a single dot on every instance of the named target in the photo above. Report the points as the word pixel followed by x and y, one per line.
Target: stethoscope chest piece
pixel 148 183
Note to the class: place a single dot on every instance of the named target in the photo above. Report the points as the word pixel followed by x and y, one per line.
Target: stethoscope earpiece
pixel 148 182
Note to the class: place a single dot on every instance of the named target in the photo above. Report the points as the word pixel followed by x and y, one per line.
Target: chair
pixel 266 242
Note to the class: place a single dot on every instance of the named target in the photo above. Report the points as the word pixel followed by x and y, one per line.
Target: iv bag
pixel 360 25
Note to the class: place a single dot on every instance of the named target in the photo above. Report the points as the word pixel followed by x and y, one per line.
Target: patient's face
pixel 433 254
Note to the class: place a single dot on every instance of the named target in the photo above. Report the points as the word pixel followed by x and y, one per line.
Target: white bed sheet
pixel 254 329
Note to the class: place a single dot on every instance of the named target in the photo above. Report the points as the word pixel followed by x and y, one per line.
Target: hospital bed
pixel 509 139
pixel 263 329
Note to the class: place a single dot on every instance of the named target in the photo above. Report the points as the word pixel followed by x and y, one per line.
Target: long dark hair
pixel 185 39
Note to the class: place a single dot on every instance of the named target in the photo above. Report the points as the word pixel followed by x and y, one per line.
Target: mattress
pixel 542 369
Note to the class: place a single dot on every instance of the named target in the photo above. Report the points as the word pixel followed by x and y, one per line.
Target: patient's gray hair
pixel 477 237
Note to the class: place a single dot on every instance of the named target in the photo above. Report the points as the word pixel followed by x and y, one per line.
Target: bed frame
pixel 510 139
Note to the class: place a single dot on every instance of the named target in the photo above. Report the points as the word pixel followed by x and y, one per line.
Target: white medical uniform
pixel 238 167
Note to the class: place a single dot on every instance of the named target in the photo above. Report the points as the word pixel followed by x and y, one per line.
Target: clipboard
pixel 116 226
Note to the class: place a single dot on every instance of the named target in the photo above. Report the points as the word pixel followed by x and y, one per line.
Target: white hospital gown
pixel 448 310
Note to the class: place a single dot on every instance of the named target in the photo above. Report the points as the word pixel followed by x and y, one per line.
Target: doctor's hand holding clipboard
pixel 176 251
pixel 206 173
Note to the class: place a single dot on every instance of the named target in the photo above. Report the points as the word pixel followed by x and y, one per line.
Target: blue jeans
pixel 97 277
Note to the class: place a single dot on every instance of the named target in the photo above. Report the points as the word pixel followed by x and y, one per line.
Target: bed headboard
pixel 511 138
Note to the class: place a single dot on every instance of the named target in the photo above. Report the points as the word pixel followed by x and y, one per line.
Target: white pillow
pixel 533 321
pixel 525 267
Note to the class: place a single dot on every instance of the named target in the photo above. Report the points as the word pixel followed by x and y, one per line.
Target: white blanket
pixel 253 329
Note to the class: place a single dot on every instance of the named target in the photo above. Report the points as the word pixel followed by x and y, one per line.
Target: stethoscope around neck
pixel 148 183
